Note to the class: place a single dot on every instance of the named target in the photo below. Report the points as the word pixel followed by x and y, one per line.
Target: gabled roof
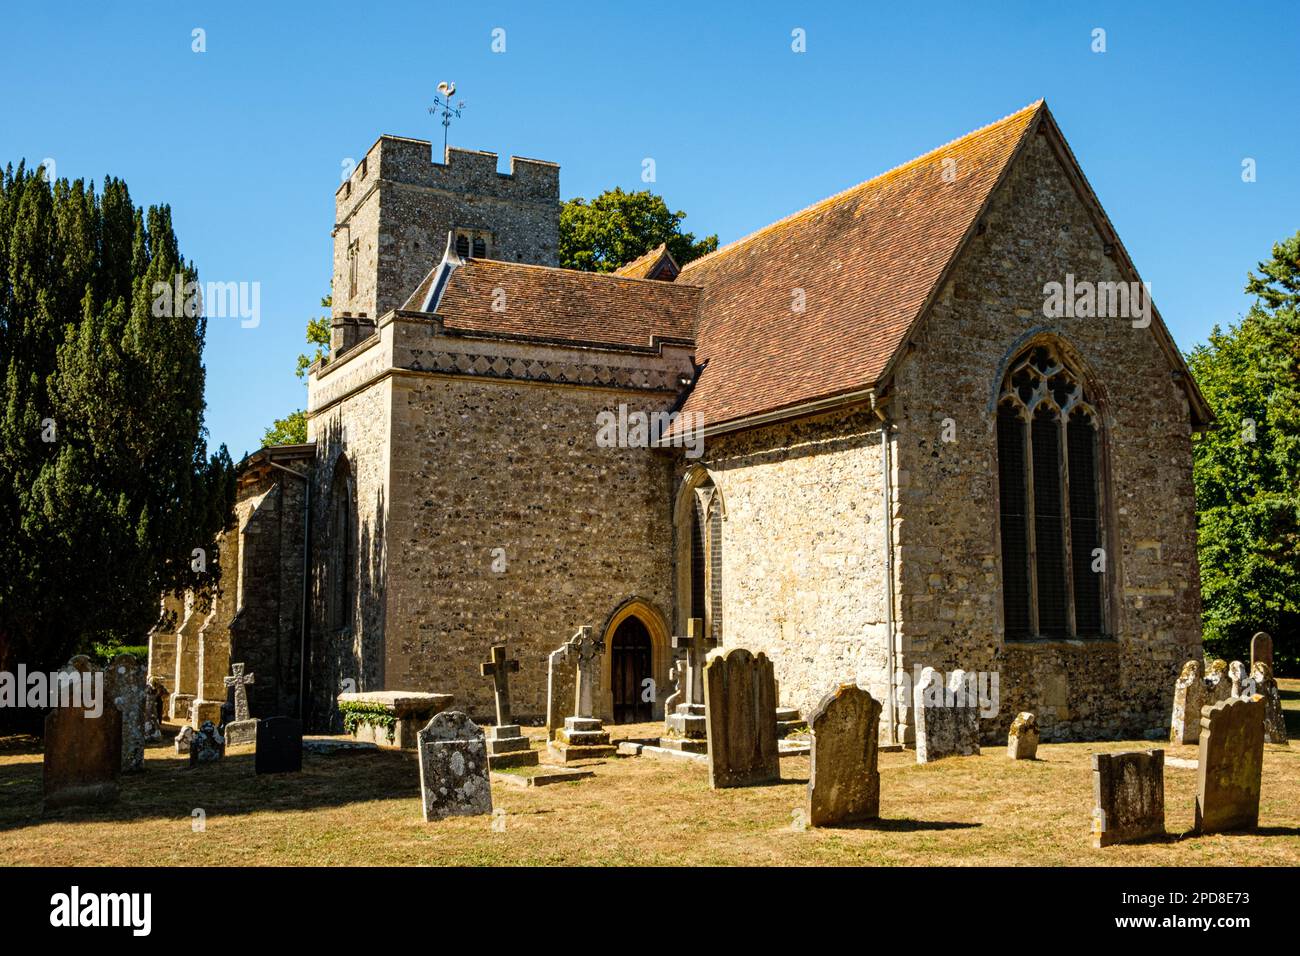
pixel 512 298
pixel 862 264
pixel 658 263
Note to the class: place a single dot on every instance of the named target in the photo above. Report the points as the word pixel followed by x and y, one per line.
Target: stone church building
pixel 905 460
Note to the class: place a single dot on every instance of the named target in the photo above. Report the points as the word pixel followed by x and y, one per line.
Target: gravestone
pixel 1129 788
pixel 243 729
pixel 844 786
pixel 279 745
pixel 207 745
pixel 124 685
pixel 184 739
pixel 583 735
pixel 156 699
pixel 1022 740
pixel 947 718
pixel 685 725
pixel 1261 649
pixel 740 717
pixel 507 746
pixel 454 777
pixel 83 750
pixel 1218 684
pixel 677 678
pixel 1237 677
pixel 1189 696
pixel 1230 765
pixel 1261 676
pixel 559 689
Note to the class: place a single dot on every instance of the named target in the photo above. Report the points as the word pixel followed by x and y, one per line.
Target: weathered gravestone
pixel 685 723
pixel 844 786
pixel 1022 739
pixel 1218 684
pixel 1189 696
pixel 83 740
pixel 243 729
pixel 453 767
pixel 1237 678
pixel 1261 649
pixel 1261 676
pixel 207 745
pixel 740 719
pixel 184 739
pixel 560 674
pixel 947 718
pixel 506 743
pixel 124 685
pixel 1230 764
pixel 155 700
pixel 279 745
pixel 1129 788
pixel 583 735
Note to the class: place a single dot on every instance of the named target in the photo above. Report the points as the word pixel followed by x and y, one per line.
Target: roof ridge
pixel 1034 106
pixel 578 272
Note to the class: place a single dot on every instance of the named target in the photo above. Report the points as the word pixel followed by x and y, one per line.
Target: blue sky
pixel 247 140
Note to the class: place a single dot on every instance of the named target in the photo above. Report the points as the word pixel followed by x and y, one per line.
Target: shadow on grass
pixel 169 788
pixel 905 825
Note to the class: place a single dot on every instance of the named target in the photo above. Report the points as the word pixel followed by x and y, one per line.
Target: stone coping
pixel 403 703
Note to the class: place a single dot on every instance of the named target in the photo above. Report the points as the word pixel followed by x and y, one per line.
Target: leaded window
pixel 1053 558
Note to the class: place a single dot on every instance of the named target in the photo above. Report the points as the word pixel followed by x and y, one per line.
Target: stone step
pixel 684 744
pixel 503 731
pixel 517 758
pixel 582 723
pixel 567 753
pixel 507 745
pixel 583 738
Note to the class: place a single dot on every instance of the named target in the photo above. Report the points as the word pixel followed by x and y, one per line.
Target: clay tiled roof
pixel 866 261
pixel 658 263
pixel 563 304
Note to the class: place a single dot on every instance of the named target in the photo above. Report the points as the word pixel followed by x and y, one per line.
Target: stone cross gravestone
pixel 684 723
pixel 1230 764
pixel 243 729
pixel 1261 649
pixel 697 646
pixel 1261 676
pixel 947 717
pixel 585 650
pixel 1022 739
pixel 279 745
pixel 844 786
pixel 1189 697
pixel 500 669
pixel 124 685
pixel 740 716
pixel 83 744
pixel 1129 788
pixel 559 688
pixel 207 745
pixel 454 777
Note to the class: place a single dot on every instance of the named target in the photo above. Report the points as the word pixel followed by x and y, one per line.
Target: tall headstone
pixel 1129 788
pixel 1189 697
pixel 506 743
pixel 740 715
pixel 83 749
pixel 243 729
pixel 1261 649
pixel 454 777
pixel 1022 739
pixel 685 724
pixel 583 736
pixel 186 679
pixel 279 745
pixel 124 685
pixel 844 786
pixel 1261 676
pixel 559 689
pixel 1230 765
pixel 947 716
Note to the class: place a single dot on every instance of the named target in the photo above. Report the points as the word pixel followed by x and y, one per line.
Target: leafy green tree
pixel 617 227
pixel 106 484
pixel 1247 470
pixel 290 430
pixel 318 335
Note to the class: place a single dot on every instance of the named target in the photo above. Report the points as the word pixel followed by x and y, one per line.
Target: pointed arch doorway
pixel 637 649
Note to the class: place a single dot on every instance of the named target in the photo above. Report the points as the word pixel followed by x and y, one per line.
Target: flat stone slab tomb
pixel 409 710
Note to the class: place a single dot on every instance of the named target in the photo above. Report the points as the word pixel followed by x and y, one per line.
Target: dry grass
pixel 365 809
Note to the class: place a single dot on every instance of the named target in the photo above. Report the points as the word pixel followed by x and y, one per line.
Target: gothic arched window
pixel 342 551
pixel 1049 491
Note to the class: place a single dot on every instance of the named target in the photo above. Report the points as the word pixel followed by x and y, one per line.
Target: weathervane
pixel 443 104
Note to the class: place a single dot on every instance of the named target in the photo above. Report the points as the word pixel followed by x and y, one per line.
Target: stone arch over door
pixel 660 653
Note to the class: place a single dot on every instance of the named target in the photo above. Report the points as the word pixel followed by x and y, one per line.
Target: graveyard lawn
pixel 364 808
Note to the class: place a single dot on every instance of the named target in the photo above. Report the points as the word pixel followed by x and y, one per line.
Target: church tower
pixel 394 212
